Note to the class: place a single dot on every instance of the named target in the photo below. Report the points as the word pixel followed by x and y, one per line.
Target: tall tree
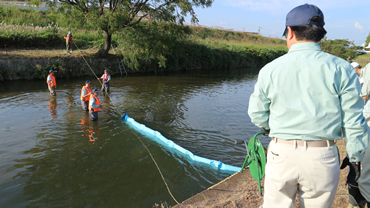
pixel 113 15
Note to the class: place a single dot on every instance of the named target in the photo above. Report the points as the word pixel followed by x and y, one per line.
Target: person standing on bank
pixel 94 105
pixel 361 194
pixel 52 84
pixel 358 70
pixel 69 42
pixel 106 79
pixel 85 95
pixel 305 100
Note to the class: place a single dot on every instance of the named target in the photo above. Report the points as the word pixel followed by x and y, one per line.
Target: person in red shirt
pixel 106 79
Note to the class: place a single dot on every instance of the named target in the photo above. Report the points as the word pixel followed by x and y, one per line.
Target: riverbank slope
pixel 34 63
pixel 241 191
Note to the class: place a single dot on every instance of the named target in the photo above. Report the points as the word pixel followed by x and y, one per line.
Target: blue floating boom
pixel 156 136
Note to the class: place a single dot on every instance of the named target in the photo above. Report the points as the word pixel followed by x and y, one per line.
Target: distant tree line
pixel 339 47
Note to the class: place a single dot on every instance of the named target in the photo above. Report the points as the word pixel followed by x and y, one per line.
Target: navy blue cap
pixel 87 82
pixel 302 15
pixel 50 71
pixel 105 70
pixel 95 90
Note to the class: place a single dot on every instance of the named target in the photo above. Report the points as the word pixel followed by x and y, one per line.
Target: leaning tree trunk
pixel 104 51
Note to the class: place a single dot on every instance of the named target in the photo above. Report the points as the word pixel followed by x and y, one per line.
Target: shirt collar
pixel 304 46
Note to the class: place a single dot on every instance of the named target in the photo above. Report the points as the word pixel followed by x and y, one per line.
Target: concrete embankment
pixel 241 190
pixel 66 67
pixel 34 63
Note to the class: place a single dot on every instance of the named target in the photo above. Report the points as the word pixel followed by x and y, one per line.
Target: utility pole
pixel 259 30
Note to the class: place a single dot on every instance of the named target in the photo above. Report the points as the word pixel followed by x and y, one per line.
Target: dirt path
pixel 241 190
pixel 33 53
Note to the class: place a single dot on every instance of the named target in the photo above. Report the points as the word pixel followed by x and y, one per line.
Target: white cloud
pixel 359 26
pixel 222 23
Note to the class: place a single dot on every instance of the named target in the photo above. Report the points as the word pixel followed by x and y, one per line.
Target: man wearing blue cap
pixel 94 105
pixel 85 95
pixel 307 99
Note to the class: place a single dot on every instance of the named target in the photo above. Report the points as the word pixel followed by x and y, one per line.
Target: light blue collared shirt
pixel 311 95
pixel 365 91
pixel 84 92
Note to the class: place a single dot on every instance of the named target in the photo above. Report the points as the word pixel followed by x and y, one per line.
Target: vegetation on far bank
pixel 363 59
pixel 151 45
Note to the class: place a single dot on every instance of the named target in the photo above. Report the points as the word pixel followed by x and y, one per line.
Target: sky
pixel 344 19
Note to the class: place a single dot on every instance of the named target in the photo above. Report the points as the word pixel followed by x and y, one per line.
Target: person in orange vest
pixel 52 84
pixel 106 79
pixel 85 95
pixel 94 105
pixel 69 42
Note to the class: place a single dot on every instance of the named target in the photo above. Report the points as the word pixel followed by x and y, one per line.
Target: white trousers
pixel 312 171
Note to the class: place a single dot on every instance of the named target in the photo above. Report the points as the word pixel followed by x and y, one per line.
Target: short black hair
pixel 310 32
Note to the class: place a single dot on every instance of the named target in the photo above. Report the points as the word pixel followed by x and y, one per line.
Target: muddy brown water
pixel 49 158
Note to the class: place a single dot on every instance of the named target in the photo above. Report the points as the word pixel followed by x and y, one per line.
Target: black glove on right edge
pixel 354 171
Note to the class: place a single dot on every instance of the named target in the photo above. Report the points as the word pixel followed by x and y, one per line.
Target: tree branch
pixel 145 15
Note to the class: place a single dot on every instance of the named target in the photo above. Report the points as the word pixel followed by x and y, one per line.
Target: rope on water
pixel 159 170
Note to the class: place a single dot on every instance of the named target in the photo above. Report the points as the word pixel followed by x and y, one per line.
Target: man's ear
pixel 290 34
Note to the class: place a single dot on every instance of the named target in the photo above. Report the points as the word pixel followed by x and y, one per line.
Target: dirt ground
pixel 241 191
pixel 44 53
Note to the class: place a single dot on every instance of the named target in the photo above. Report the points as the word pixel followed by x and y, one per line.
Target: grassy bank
pixel 151 46
pixel 363 59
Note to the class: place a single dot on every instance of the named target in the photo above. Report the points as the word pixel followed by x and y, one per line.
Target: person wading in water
pixel 52 84
pixel 85 95
pixel 106 79
pixel 94 105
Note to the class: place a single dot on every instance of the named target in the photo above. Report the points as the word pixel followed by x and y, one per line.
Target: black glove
pixel 354 171
pixel 266 130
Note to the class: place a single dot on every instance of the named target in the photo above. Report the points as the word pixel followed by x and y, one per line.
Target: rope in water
pixel 159 170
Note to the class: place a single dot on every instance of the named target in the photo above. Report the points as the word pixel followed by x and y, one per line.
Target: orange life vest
pixel 53 82
pixel 69 38
pixel 97 102
pixel 88 90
